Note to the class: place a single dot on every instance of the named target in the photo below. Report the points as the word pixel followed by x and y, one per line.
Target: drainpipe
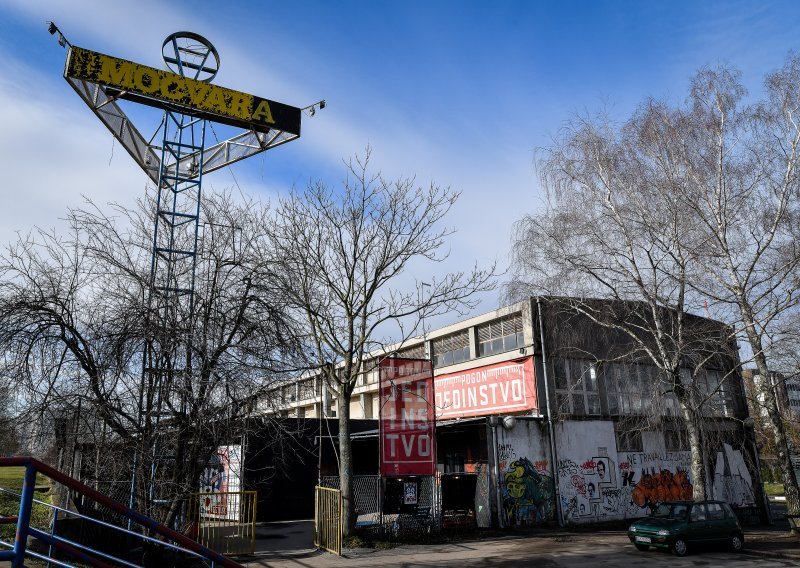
pixel 493 423
pixel 550 430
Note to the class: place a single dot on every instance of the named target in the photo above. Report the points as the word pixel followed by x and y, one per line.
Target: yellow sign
pixel 162 89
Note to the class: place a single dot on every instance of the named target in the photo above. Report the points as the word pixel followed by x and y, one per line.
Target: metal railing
pixel 224 521
pixel 159 537
pixel 328 519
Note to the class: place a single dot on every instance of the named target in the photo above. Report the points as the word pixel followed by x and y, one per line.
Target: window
pixel 715 512
pixel 413 352
pixel 288 393
pixel 369 372
pixel 676 440
pixel 629 440
pixel 698 513
pixel 576 386
pixel 717 391
pixel 451 349
pixel 629 388
pixel 500 335
pixel 308 388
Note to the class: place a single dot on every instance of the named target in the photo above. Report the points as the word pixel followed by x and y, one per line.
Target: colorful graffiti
pixel 527 493
pixel 657 487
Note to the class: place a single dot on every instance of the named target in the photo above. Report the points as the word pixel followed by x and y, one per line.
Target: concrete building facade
pixel 550 417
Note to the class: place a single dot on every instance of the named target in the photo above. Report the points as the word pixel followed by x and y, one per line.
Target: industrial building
pixel 545 416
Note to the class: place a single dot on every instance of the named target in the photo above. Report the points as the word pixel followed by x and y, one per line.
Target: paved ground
pixel 289 545
pixel 556 550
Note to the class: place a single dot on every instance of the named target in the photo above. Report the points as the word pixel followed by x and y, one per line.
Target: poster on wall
pixel 491 389
pixel 410 493
pixel 407 420
pixel 221 477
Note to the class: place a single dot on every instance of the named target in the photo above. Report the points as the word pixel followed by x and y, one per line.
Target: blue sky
pixel 461 93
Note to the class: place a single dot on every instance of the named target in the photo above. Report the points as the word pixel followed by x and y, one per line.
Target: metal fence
pixel 328 519
pixel 224 521
pixel 382 507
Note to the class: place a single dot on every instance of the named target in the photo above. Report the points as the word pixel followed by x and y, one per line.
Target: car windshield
pixel 671 511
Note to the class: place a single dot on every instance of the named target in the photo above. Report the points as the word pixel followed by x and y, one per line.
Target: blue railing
pixel 169 539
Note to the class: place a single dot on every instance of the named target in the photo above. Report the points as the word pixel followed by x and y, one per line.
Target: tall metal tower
pixel 177 221
pixel 176 163
pixel 167 357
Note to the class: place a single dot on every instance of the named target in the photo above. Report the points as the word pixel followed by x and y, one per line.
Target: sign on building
pixel 492 389
pixel 407 418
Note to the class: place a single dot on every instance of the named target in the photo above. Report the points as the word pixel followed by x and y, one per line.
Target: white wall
pixel 598 483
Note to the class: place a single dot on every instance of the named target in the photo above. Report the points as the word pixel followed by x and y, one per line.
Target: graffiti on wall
pixel 732 481
pixel 589 487
pixel 598 489
pixel 655 487
pixel 527 492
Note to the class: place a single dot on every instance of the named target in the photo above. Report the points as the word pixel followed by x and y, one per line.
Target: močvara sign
pixel 164 89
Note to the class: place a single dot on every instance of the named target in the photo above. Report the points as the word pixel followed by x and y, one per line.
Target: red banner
pixel 492 389
pixel 407 419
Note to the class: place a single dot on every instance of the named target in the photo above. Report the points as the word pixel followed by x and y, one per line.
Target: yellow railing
pixel 328 519
pixel 225 522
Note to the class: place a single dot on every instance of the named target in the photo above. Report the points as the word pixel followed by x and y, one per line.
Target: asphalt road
pixel 589 550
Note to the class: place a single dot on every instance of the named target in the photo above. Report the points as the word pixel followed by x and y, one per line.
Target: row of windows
pixel 630 439
pixel 451 349
pixel 635 390
pixel 498 336
pixel 576 387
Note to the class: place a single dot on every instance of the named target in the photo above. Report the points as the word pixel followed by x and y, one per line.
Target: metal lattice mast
pixel 188 99
pixel 167 366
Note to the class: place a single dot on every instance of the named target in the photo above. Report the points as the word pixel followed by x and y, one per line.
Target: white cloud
pixel 53 155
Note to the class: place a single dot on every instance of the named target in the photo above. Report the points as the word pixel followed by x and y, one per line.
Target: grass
pixel 773 488
pixel 11 479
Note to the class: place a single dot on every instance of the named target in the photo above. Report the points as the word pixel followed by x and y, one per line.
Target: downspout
pixel 549 417
pixel 492 420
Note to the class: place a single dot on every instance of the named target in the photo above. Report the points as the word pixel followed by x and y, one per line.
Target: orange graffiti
pixel 659 487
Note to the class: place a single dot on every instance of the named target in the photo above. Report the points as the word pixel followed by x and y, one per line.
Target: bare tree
pixel 342 256
pixel 74 323
pixel 613 230
pixel 742 187
pixel 711 189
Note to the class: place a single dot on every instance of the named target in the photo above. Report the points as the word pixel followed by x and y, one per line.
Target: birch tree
pixel 613 230
pixel 711 189
pixel 742 189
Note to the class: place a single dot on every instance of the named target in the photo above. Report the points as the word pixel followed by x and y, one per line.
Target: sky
pixel 461 93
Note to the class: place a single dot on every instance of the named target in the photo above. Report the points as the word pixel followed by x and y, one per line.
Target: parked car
pixel 679 525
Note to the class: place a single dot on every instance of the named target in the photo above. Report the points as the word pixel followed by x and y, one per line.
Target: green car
pixel 679 525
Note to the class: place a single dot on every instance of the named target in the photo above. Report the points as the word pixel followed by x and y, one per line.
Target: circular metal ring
pixel 191 55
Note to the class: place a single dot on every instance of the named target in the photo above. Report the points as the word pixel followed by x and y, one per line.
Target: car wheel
pixel 642 547
pixel 679 547
pixel 736 542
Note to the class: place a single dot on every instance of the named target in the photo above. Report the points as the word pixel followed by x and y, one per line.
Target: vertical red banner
pixel 407 417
